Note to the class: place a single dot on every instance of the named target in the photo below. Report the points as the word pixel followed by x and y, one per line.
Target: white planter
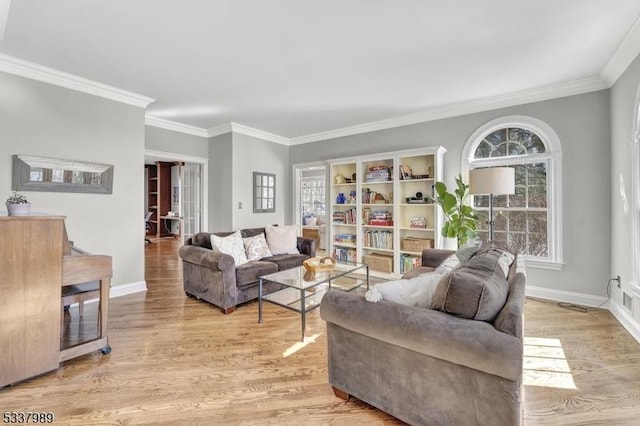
pixel 19 209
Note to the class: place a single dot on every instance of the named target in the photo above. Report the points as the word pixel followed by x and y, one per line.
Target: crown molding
pixel 175 126
pixel 626 52
pixel 22 68
pixel 4 14
pixel 260 134
pixel 538 94
pixel 219 130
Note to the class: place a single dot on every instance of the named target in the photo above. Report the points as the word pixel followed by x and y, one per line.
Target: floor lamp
pixel 492 181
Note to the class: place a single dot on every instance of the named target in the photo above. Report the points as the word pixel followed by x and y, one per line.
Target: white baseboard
pixel 624 318
pixel 567 297
pixel 126 289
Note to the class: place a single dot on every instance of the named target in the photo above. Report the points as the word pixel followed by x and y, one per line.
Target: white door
pixel 191 194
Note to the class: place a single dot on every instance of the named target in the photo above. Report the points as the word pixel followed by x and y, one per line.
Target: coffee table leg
pixel 303 311
pixel 367 277
pixel 260 301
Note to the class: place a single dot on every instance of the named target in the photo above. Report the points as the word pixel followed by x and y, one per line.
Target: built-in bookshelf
pixel 382 209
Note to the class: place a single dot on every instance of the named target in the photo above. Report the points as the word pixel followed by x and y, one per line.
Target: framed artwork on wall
pixel 264 192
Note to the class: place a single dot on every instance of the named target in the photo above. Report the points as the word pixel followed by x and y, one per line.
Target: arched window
pixel 529 221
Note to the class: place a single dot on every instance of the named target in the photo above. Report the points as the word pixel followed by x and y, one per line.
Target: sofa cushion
pixel 256 247
pixel 476 290
pixel 282 239
pixel 286 261
pixel 250 272
pixel 231 245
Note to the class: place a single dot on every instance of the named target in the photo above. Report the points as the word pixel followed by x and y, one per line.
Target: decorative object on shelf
pixel 339 179
pixel 341 199
pixel 461 220
pixel 353 177
pixel 18 205
pixel 31 173
pixel 418 222
pixel 352 196
pixel 492 181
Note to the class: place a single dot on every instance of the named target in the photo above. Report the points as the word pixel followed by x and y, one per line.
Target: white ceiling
pixel 299 67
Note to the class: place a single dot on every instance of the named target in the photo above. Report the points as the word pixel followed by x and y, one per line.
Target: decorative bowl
pixel 317 264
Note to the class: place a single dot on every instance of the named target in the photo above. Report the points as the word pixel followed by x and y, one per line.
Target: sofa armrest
pixel 474 344
pixel 434 257
pixel 307 246
pixel 212 259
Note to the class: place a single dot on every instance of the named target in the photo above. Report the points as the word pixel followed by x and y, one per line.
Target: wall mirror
pixel 264 192
pixel 31 173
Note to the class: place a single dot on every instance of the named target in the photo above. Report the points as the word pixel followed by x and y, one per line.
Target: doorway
pixel 310 206
pixel 183 210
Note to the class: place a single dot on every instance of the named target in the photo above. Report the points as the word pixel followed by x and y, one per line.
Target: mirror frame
pixel 97 178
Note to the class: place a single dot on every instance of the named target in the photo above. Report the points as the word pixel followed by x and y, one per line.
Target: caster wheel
pixel 106 350
pixel 190 296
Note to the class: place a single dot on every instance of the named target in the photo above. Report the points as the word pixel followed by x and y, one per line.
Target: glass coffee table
pixel 303 293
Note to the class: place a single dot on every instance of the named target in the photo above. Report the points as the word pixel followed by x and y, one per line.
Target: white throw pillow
pixel 417 291
pixel 449 264
pixel 231 245
pixel 505 260
pixel 282 239
pixel 256 247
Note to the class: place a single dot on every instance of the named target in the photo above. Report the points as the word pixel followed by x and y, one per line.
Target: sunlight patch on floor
pixel 545 364
pixel 299 345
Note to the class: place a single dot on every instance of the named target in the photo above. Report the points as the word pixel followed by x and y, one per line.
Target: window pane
pixel 537 196
pixel 516 149
pixel 497 137
pixel 518 222
pixel 499 151
pixel 538 244
pixel 535 145
pixel 519 199
pixel 481 201
pixel 517 242
pixel 483 150
pixel 500 201
pixel 482 220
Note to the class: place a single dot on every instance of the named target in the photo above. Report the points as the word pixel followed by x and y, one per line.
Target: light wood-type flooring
pixel 180 361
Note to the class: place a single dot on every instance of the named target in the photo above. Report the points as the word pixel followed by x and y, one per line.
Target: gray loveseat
pixel 428 367
pixel 213 276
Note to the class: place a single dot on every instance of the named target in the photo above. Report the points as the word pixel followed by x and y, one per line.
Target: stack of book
pixel 345 239
pixel 378 174
pixel 378 239
pixel 417 222
pixel 345 255
pixel 372 197
pixel 380 218
pixel 408 262
pixel 345 217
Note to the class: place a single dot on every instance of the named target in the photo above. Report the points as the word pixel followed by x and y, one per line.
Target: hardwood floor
pixel 178 361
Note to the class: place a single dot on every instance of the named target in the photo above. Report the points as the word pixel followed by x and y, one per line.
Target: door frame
pixel 204 162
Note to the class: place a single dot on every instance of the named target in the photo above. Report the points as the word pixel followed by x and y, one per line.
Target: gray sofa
pixel 428 367
pixel 213 276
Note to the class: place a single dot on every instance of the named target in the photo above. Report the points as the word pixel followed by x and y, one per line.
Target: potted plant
pixel 18 205
pixel 461 220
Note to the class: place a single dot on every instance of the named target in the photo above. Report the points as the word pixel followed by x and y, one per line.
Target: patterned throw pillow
pixel 231 245
pixel 256 247
pixel 282 239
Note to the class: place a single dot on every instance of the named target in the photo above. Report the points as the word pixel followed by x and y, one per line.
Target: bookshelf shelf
pixel 385 178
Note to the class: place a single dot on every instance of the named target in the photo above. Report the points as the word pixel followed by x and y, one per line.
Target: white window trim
pixel 553 156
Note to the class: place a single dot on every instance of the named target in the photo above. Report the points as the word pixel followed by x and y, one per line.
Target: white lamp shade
pixel 492 180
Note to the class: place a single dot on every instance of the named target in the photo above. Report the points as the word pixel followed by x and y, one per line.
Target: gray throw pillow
pixel 476 290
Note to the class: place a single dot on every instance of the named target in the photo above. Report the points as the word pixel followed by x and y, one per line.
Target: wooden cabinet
pixel 381 208
pixel 30 281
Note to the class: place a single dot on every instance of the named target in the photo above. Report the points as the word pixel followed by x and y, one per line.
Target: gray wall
pixel 41 119
pixel 221 183
pixel 175 142
pixel 582 123
pixel 623 109
pixel 256 155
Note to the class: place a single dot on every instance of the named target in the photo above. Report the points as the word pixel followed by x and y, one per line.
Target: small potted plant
pixel 18 205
